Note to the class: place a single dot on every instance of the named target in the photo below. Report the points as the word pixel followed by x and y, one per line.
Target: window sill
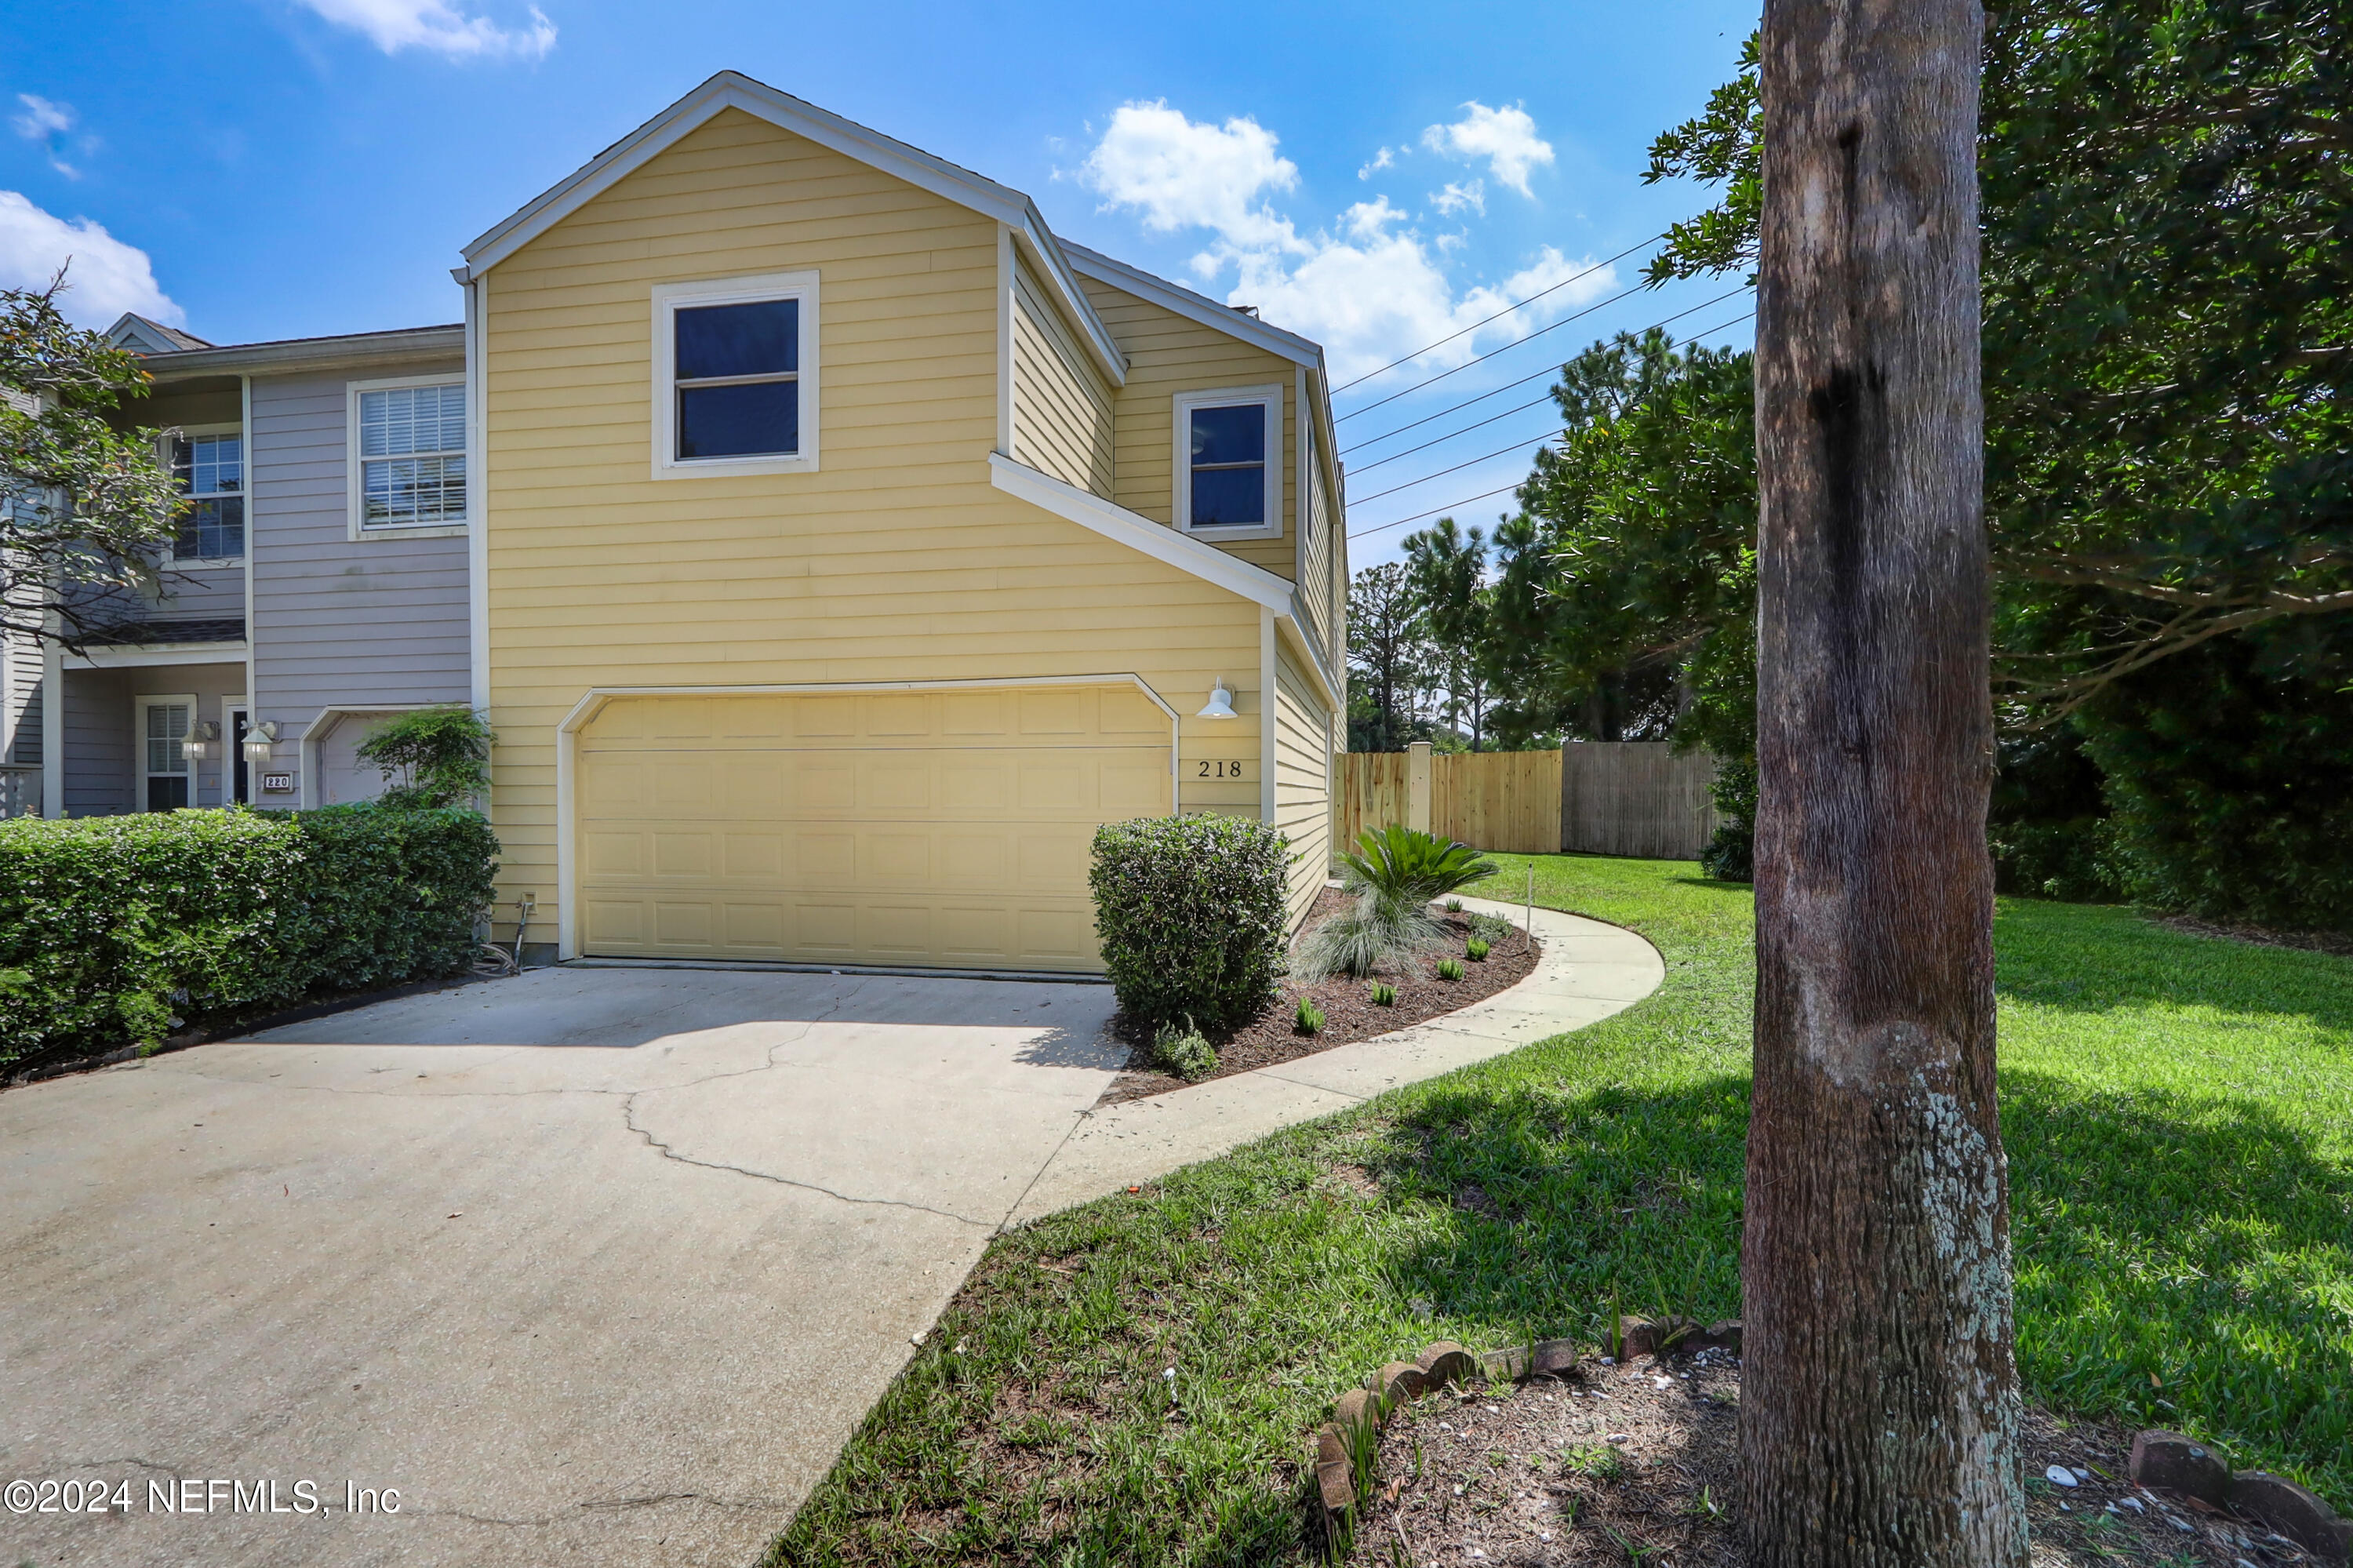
pixel 728 468
pixel 207 564
pixel 1212 536
pixel 410 531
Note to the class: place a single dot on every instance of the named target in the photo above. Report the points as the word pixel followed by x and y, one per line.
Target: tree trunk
pixel 1879 1406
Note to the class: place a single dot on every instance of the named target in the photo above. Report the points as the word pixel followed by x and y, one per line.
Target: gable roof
pixel 292 353
pixel 140 335
pixel 732 89
pixel 1197 307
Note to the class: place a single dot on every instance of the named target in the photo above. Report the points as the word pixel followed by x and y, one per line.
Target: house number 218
pixel 1211 769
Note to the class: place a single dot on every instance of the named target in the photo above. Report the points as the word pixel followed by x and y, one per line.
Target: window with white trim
pixel 1228 462
pixel 210 470
pixel 166 778
pixel 735 376
pixel 409 449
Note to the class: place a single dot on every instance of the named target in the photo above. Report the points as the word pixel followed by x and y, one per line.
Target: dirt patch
pixel 1639 1463
pixel 1349 1013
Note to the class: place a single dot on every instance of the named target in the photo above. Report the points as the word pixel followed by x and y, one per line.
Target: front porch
pixel 151 726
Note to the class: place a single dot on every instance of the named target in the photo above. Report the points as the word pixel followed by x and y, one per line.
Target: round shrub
pixel 1190 914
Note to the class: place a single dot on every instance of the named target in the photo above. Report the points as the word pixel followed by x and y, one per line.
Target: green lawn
pixel 2179 1113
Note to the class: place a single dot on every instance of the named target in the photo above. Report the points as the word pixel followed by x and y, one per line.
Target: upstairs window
pixel 1229 467
pixel 735 376
pixel 409 454
pixel 210 471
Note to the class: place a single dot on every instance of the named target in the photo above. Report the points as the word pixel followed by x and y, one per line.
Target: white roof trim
pixel 1288 622
pixel 1199 307
pixel 732 89
pixel 155 655
pixel 1138 532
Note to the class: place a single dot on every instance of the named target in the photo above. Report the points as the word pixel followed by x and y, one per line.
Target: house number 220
pixel 1212 769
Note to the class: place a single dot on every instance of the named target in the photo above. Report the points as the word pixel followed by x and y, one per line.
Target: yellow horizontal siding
pixel 897 561
pixel 1302 806
pixel 1062 407
pixel 1168 354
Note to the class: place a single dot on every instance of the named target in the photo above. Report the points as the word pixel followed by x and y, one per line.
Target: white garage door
pixel 943 829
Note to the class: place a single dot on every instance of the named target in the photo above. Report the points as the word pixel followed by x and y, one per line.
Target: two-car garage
pixel 940 828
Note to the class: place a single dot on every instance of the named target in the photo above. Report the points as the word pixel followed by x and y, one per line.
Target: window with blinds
pixel 412 456
pixel 210 471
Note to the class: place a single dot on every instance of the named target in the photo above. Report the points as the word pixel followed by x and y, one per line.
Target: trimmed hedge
pixel 1189 912
pixel 114 928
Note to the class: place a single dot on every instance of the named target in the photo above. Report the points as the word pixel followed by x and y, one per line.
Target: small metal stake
pixel 1529 931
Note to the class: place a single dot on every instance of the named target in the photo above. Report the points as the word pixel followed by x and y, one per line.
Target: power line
pixel 1499 316
pixel 1442 440
pixel 1441 473
pixel 1530 337
pixel 1435 511
pixel 1507 386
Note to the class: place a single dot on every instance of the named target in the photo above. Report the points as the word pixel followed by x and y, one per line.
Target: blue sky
pixel 1374 175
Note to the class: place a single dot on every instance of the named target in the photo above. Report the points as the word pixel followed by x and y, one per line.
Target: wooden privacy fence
pixel 1628 798
pixel 1635 798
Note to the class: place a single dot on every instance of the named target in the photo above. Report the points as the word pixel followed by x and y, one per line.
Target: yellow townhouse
pixel 850 547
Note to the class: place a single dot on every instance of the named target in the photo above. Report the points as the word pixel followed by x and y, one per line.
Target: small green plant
pixel 1309 1020
pixel 1600 1460
pixel 1454 907
pixel 1475 950
pixel 1377 933
pixel 1185 1051
pixel 1449 968
pixel 1383 995
pixel 433 757
pixel 1492 929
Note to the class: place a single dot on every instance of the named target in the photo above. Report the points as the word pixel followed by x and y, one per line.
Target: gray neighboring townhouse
pixel 319 583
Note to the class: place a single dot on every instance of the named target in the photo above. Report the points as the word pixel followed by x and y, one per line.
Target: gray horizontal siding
pixel 340 622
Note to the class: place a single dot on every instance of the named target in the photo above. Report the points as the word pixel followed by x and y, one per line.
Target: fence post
pixel 1417 785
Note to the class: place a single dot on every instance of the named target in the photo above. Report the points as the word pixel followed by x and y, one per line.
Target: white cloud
pixel 1505 137
pixel 48 123
pixel 1380 161
pixel 1181 174
pixel 1370 289
pixel 106 278
pixel 396 25
pixel 1471 193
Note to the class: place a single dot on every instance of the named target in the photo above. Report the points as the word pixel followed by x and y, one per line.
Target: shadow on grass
pixel 2204 1243
pixel 2093 958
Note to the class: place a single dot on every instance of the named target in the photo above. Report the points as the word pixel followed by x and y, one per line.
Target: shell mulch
pixel 1638 1463
pixel 1347 1003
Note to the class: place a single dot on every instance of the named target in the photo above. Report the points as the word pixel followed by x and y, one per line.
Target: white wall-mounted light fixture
pixel 203 744
pixel 1221 704
pixel 258 741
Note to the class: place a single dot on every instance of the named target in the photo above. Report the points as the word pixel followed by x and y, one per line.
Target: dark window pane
pixel 1228 496
pixel 211 530
pixel 1229 435
pixel 167 794
pixel 739 340
pixel 762 419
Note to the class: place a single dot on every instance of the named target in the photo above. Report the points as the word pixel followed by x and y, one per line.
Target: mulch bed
pixel 2337 942
pixel 1638 1463
pixel 1349 1012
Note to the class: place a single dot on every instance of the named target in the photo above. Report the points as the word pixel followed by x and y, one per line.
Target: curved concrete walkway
pixel 1588 970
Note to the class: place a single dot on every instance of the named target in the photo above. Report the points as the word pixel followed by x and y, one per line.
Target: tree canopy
pixel 86 508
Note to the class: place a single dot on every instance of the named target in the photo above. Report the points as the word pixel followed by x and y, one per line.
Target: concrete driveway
pixel 589 1266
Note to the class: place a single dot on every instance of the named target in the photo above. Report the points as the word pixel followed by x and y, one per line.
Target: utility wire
pixel 1499 316
pixel 1385 528
pixel 1507 386
pixel 1441 473
pixel 1440 440
pixel 1530 337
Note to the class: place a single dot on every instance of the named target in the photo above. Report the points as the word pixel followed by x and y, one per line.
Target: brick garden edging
pixel 2170 1462
pixel 1342 1447
pixel 1341 1451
